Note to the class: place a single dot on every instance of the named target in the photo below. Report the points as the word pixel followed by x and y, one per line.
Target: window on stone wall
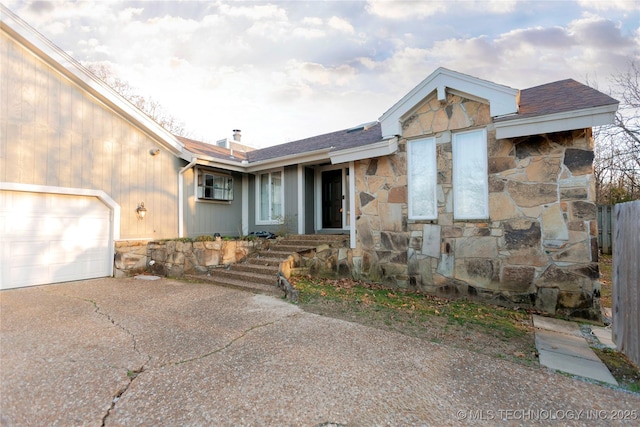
pixel 422 174
pixel 470 177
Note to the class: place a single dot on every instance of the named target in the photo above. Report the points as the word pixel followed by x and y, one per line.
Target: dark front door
pixel 332 199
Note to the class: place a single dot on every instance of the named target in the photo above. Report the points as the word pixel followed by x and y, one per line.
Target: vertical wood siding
pixel 626 279
pixel 54 133
pixel 205 217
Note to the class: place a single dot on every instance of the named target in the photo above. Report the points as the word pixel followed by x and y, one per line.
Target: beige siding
pixel 54 133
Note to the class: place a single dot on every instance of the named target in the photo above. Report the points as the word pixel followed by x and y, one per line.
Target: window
pixel 270 198
pixel 470 178
pixel 421 158
pixel 213 186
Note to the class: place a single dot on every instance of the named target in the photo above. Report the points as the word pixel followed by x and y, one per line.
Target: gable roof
pixel 502 99
pixel 557 106
pixel 59 60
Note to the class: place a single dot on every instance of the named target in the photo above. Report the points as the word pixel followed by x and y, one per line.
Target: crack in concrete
pixel 230 343
pixel 131 374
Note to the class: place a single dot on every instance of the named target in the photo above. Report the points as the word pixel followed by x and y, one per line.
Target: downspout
pixel 181 195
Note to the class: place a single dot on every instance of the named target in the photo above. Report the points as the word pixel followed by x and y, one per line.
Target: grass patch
pixel 622 369
pixel 488 329
pixel 605 266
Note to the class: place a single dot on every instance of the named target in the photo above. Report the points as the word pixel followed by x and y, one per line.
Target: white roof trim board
pixel 502 100
pixel 568 120
pixel 382 148
pixel 75 72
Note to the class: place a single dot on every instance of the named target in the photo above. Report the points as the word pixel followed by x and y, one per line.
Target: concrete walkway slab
pixel 569 345
pixel 585 368
pixel 604 335
pixel 557 325
pixel 562 347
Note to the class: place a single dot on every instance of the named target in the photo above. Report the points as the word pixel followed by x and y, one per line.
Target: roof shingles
pixel 558 97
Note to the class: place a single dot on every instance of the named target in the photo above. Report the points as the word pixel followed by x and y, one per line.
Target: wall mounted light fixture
pixel 141 211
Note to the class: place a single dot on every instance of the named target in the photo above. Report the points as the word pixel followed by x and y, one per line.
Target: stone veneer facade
pixel 539 246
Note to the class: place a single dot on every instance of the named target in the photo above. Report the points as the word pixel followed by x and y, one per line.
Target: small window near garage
pixel 213 186
pixel 470 175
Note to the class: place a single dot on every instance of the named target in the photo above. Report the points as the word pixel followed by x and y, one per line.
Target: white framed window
pixel 470 175
pixel 214 186
pixel 422 179
pixel 269 198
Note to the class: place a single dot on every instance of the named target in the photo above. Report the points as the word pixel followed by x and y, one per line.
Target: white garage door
pixel 49 238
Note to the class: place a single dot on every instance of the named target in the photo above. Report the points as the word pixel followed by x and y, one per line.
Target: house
pixel 463 187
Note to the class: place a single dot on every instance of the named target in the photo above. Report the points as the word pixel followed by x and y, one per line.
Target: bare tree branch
pixel 147 105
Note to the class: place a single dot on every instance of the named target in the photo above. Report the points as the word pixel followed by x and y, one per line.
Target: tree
pixel 148 105
pixel 617 151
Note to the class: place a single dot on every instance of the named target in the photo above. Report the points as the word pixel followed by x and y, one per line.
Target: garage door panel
pixel 49 238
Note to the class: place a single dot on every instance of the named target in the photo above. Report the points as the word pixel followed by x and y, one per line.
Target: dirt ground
pixel 490 330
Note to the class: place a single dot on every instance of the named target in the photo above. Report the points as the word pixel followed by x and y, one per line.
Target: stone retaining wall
pixel 130 258
pixel 537 248
pixel 175 258
pixel 326 260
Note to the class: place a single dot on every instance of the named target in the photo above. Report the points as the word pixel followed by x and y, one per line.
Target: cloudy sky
pixel 286 70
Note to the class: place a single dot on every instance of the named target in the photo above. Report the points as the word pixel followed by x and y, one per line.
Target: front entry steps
pixel 259 272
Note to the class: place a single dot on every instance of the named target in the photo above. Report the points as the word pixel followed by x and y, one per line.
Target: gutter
pixel 191 164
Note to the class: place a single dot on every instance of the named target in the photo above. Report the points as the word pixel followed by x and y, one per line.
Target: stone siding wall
pixel 539 245
pixel 175 258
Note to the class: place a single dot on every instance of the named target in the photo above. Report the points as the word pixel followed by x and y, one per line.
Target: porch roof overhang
pixel 201 160
pixel 317 156
pixel 77 74
pixel 512 127
pixel 378 149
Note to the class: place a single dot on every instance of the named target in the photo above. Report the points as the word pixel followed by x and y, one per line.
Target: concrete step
pixel 274 252
pixel 317 237
pixel 266 261
pixel 244 276
pixel 290 247
pixel 258 288
pixel 256 268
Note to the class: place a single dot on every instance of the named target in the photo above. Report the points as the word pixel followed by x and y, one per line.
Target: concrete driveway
pixel 133 352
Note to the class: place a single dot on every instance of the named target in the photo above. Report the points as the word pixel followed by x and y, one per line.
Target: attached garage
pixel 54 235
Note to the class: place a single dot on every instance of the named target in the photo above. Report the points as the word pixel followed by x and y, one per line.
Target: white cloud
pixel 308 33
pixel 341 25
pixel 625 5
pixel 496 6
pixel 312 21
pixel 318 74
pixel 129 13
pixel 405 9
pixel 401 9
pixel 255 13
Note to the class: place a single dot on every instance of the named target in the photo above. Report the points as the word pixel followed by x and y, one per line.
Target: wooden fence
pixel 626 279
pixel 605 213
